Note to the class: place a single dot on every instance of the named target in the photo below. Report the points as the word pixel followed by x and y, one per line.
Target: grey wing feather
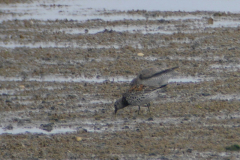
pixel 149 72
pixel 152 72
pixel 145 74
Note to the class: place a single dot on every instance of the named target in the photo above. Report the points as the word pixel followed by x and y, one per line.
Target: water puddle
pixel 91 126
pixel 225 23
pixel 227 97
pixel 7 92
pixel 134 44
pixel 35 130
pixel 225 115
pixel 99 9
pixel 186 80
pixel 73 44
pixel 57 78
pixel 26 102
pixel 150 58
pixel 80 11
pixel 58 45
pixel 166 5
pixel 197 58
pixel 119 124
pixel 229 67
pixel 72 61
pixel 144 29
pixel 60 78
pixel 84 16
pixel 111 124
pixel 43 8
pixel 100 101
pixel 117 79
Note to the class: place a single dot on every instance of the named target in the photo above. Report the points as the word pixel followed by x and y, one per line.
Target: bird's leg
pixel 148 105
pixel 138 109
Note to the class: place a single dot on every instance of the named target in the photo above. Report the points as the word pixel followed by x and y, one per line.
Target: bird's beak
pixel 116 110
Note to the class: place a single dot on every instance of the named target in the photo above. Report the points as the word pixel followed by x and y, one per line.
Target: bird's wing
pixel 145 74
pixel 149 72
pixel 140 89
pixel 153 72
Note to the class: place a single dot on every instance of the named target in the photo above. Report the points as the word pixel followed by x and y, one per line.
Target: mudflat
pixel 60 77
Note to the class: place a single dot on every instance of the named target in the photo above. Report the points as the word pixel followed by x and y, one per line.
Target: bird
pixel 138 95
pixel 149 84
pixel 154 77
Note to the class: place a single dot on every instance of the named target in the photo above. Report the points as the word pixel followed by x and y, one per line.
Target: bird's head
pixel 119 104
pixel 134 82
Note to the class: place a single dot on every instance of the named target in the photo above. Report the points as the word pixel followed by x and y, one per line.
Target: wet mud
pixel 59 78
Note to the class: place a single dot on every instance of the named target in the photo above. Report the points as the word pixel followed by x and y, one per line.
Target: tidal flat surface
pixel 64 63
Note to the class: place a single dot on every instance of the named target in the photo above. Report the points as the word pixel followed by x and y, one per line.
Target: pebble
pixel 78 138
pixel 21 86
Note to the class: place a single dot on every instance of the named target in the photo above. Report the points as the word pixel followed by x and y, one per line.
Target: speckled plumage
pixel 154 77
pixel 147 86
pixel 137 96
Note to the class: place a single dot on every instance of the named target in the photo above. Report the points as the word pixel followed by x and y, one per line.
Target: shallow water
pixel 91 126
pixel 117 79
pixel 85 10
pixel 230 67
pixel 12 44
pixel 34 130
pixel 227 97
pixel 114 124
pixel 60 78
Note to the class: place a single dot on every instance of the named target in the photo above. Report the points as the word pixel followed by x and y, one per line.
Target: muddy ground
pixel 66 74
